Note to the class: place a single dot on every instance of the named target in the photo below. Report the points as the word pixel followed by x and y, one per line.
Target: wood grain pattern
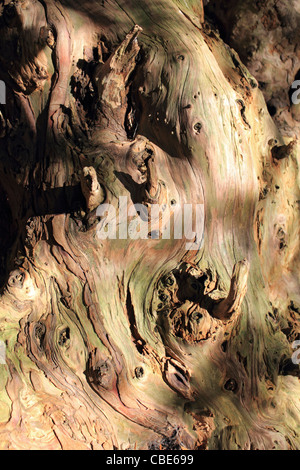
pixel 139 343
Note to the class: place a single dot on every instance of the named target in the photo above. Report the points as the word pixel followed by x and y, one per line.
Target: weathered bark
pixel 133 343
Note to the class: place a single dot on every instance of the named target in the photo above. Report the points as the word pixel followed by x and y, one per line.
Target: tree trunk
pixel 118 337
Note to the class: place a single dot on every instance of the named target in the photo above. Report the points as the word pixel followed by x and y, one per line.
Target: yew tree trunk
pixel 147 342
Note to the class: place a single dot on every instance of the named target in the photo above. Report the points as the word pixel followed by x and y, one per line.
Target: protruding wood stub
pixel 91 189
pixel 153 186
pixel 112 79
pixel 238 287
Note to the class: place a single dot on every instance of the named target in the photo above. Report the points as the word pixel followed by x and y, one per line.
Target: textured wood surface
pixel 132 343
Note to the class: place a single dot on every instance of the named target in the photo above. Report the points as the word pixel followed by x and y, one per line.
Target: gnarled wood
pixel 145 342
